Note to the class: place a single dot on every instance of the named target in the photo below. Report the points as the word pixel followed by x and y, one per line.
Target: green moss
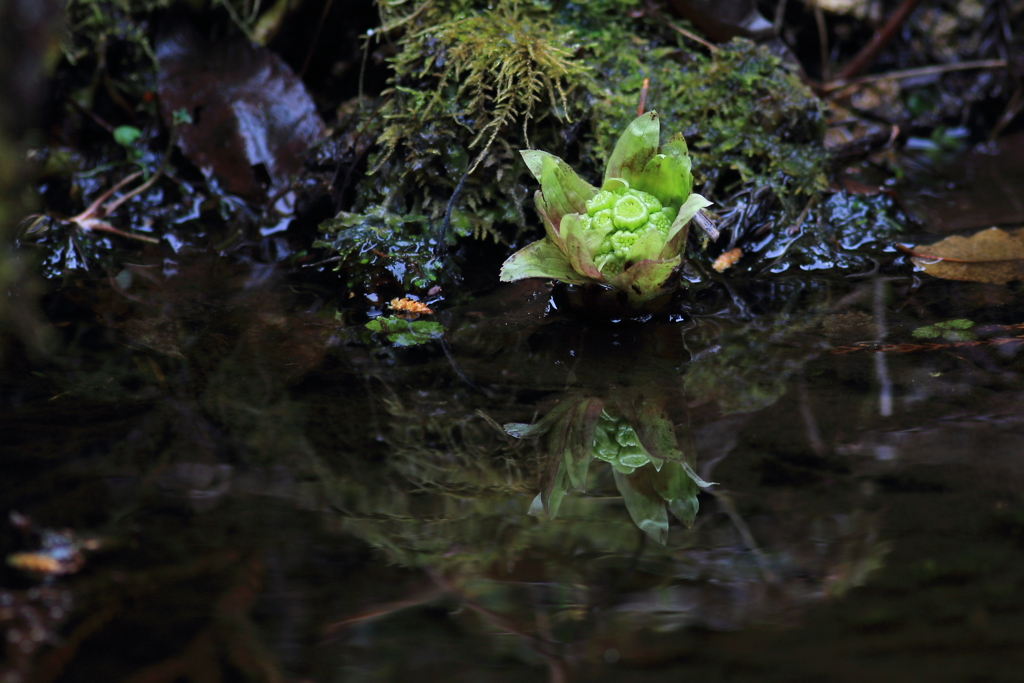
pixel 740 109
pixel 468 81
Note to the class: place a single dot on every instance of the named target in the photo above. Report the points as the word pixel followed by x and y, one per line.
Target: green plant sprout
pixel 628 235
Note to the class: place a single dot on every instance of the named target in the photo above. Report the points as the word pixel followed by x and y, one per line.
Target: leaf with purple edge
pixel 655 430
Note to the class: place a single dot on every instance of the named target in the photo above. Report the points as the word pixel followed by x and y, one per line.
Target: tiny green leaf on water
pixel 953 330
pixel 126 136
pixel 181 116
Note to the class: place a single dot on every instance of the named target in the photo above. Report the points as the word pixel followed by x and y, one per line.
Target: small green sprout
pixel 631 233
pixel 127 136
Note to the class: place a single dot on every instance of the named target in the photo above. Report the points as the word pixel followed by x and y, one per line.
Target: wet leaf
pixel 252 117
pixel 580 441
pixel 645 505
pixel 673 483
pixel 540 259
pixel 993 255
pixel 653 427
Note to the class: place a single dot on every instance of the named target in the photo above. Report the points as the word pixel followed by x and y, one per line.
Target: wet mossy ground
pixel 473 84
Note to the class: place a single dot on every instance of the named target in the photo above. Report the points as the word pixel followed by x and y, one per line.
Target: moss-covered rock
pixel 473 83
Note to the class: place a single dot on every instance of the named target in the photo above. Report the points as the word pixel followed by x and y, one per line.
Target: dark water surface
pixel 217 484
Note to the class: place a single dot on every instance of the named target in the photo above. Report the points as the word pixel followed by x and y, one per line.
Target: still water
pixel 213 481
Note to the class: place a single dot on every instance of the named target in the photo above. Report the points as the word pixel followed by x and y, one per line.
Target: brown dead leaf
pixel 993 255
pixel 252 117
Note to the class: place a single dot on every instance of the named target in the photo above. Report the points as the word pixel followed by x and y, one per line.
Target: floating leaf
pixel 992 255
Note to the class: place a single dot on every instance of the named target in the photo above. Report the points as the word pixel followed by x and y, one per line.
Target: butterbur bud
pixel 630 233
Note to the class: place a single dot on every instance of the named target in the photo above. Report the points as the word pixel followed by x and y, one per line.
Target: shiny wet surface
pixel 247 490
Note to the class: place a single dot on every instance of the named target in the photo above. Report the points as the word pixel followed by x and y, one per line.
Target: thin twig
pixel 110 208
pixel 879 40
pixel 835 85
pixel 316 37
pixel 819 19
pixel 780 15
pixel 692 36
pixel 93 208
pixel 643 97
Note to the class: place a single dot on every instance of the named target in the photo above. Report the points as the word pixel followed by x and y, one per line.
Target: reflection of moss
pixel 406 332
pixel 952 330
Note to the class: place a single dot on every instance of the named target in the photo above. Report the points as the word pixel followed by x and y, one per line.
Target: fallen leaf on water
pixel 993 255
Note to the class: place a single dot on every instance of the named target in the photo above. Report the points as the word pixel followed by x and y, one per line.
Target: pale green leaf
pixel 564 191
pixel 687 211
pixel 540 259
pixel 639 142
pixel 576 244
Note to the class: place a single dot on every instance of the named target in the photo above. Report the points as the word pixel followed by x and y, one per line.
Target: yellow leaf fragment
pixel 727 260
pixel 994 255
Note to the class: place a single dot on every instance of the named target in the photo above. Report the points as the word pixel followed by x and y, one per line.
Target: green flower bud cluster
pixel 616 442
pixel 618 221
